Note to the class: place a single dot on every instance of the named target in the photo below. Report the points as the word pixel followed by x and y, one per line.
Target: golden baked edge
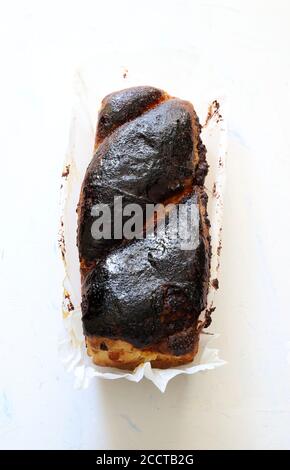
pixel 121 354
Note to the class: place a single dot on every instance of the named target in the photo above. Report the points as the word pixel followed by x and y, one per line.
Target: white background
pixel 244 47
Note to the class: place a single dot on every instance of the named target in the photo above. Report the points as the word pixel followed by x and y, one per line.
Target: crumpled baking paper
pixel 92 83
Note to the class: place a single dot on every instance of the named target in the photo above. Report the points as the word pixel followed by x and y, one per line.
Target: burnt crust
pixel 145 161
pixel 123 106
pixel 147 293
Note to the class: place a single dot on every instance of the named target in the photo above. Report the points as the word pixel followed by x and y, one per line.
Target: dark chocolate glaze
pixel 123 106
pixel 148 292
pixel 144 161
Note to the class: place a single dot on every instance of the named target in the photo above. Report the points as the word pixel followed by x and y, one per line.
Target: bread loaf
pixel 142 298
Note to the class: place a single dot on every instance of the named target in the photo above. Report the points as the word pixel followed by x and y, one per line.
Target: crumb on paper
pixel 68 305
pixel 215 283
pixel 207 316
pixel 213 113
pixel 219 248
pixel 61 241
pixel 65 172
pixel 125 73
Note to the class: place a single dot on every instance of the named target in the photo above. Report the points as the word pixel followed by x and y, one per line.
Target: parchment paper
pixel 92 82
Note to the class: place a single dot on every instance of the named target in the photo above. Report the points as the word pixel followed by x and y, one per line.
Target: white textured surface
pixel 241 46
